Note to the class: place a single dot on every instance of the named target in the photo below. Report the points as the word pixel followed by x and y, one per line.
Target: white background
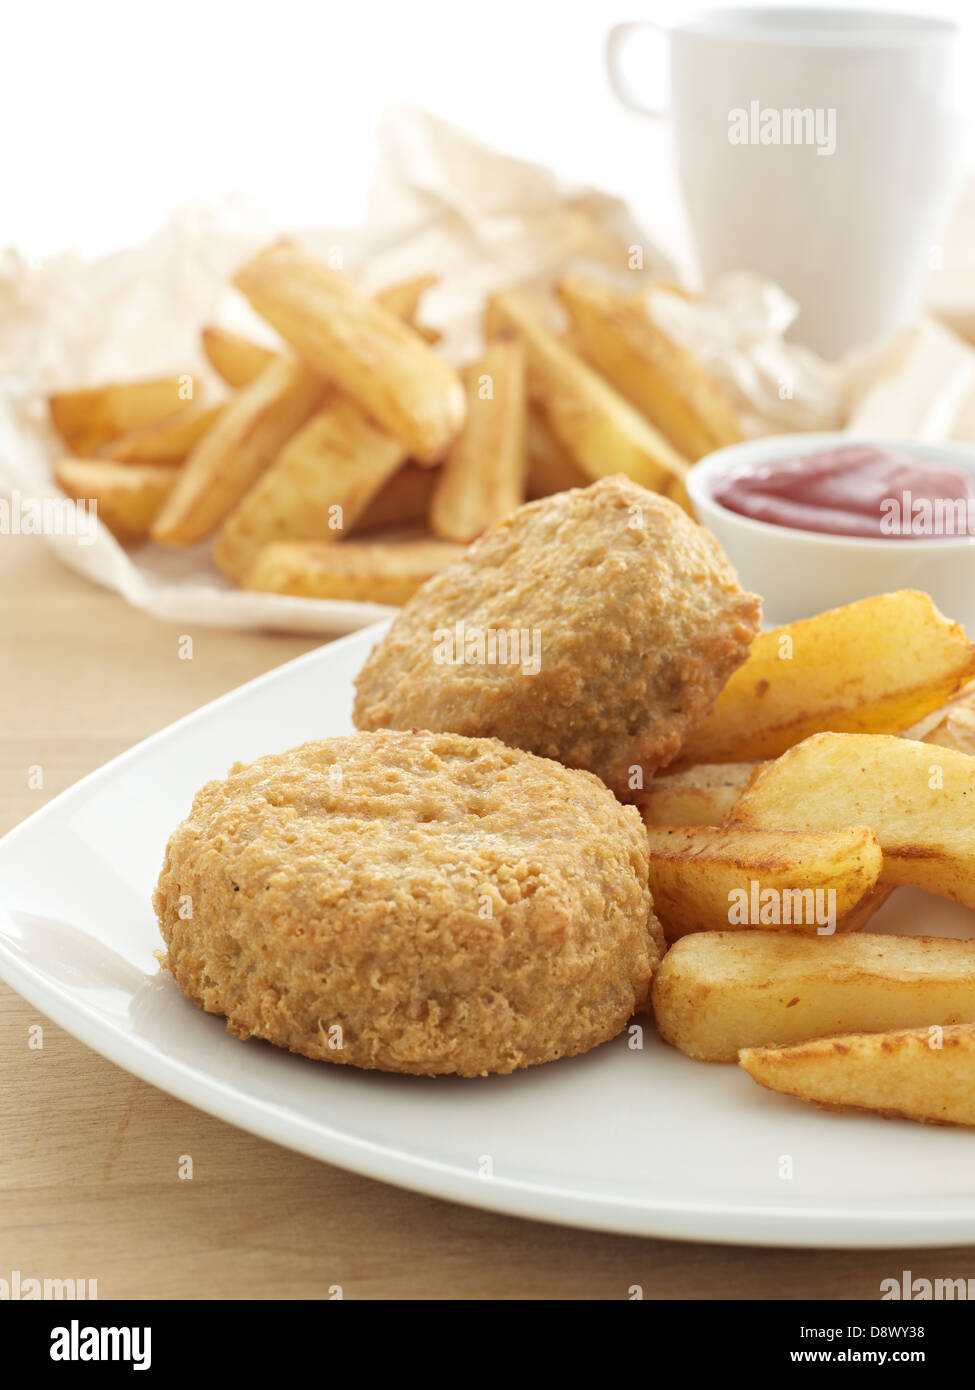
pixel 111 113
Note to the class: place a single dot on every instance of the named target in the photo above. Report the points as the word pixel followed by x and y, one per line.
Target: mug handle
pixel 616 40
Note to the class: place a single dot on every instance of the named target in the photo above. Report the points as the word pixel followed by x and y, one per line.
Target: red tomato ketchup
pixel 855 490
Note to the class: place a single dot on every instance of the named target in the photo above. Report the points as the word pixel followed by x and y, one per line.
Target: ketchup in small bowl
pixel 813 521
pixel 854 490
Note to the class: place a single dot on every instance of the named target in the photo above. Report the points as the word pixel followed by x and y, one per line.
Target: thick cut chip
pixel 323 478
pixel 918 800
pixel 599 429
pixel 483 477
pixel 717 992
pixel 375 359
pixel 872 667
pixel 925 1074
pixel 663 379
pixel 706 878
pixel 126 496
pixel 700 795
pixel 90 418
pixel 239 360
pixel 235 358
pixel 385 571
pixel 231 457
pixel 169 441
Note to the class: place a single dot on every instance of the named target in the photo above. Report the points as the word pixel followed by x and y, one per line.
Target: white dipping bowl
pixel 801 573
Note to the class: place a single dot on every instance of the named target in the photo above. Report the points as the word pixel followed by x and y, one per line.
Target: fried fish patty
pixel 412 902
pixel 624 617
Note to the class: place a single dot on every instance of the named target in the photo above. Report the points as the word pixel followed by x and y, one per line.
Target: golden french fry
pixel 320 482
pixel 549 467
pixel 599 428
pixel 917 799
pixel 128 496
pixel 483 477
pixel 717 992
pixel 385 571
pixel 375 359
pixel 403 298
pixel 236 359
pixel 925 1074
pixel 700 795
pixel 90 418
pixel 170 441
pixel 662 379
pixel 874 666
pixel 710 878
pixel 236 451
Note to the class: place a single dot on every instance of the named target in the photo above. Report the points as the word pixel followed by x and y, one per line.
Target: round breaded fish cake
pixel 594 627
pixel 412 902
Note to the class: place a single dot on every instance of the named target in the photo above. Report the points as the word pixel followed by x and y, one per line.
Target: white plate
pixel 639 1141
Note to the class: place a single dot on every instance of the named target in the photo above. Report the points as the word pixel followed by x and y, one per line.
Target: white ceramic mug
pixel 819 147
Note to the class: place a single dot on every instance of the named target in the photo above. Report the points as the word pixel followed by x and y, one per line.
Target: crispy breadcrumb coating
pixel 636 614
pixel 412 902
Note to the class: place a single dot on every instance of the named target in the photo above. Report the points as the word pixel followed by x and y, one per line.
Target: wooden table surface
pixel 88 1154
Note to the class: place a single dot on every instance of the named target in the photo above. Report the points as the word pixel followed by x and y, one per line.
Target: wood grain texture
pixel 89 1155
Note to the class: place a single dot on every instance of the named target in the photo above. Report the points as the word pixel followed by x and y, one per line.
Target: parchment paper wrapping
pixel 442 203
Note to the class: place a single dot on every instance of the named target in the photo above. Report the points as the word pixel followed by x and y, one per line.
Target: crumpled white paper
pixel 479 219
